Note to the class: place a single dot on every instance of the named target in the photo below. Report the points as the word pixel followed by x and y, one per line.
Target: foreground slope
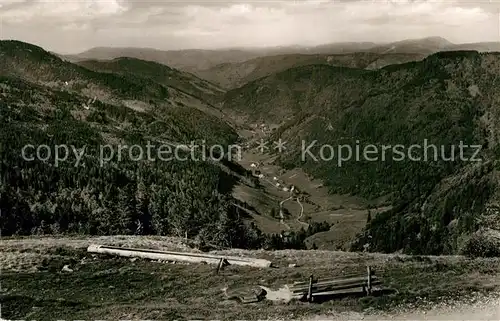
pixel 448 98
pixel 101 287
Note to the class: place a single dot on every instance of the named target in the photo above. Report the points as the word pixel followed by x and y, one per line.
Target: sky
pixel 73 26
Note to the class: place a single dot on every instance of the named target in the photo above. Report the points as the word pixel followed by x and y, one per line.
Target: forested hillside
pixel 120 196
pixel 117 197
pixel 439 205
pixel 159 73
pixel 446 99
pixel 34 64
pixel 234 75
pixel 93 188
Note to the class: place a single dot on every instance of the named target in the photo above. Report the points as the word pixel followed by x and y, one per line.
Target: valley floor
pixel 35 287
pixel 311 202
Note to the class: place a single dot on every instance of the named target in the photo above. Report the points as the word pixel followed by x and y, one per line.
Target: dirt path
pixel 301 214
pixel 277 185
pixel 282 217
pixel 479 308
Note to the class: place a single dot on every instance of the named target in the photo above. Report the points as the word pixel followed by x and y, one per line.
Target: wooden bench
pixel 345 284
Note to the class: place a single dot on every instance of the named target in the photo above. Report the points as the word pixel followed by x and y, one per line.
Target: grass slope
pixel 116 288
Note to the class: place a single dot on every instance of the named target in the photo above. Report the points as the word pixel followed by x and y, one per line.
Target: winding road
pixel 282 218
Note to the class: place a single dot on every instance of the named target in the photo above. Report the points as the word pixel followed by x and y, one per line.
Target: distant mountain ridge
pixel 210 57
pixel 234 75
pixel 237 64
pixel 187 60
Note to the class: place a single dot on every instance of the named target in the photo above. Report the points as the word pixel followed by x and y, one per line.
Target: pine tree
pixel 142 209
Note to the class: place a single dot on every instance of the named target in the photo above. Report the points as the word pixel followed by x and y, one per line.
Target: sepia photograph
pixel 304 160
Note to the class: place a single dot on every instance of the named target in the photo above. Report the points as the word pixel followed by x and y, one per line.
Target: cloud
pixel 74 25
pixel 5 3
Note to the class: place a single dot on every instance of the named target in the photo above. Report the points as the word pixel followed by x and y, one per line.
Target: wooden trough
pixel 327 287
pixel 178 256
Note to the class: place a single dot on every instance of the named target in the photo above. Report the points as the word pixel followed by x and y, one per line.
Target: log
pixel 177 256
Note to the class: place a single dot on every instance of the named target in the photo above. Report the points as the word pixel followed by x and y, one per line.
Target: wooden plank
pixel 336 287
pixel 310 290
pixel 369 281
pixel 342 288
pixel 358 276
pixel 332 287
pixel 340 291
pixel 331 283
pixel 222 264
pixel 341 276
